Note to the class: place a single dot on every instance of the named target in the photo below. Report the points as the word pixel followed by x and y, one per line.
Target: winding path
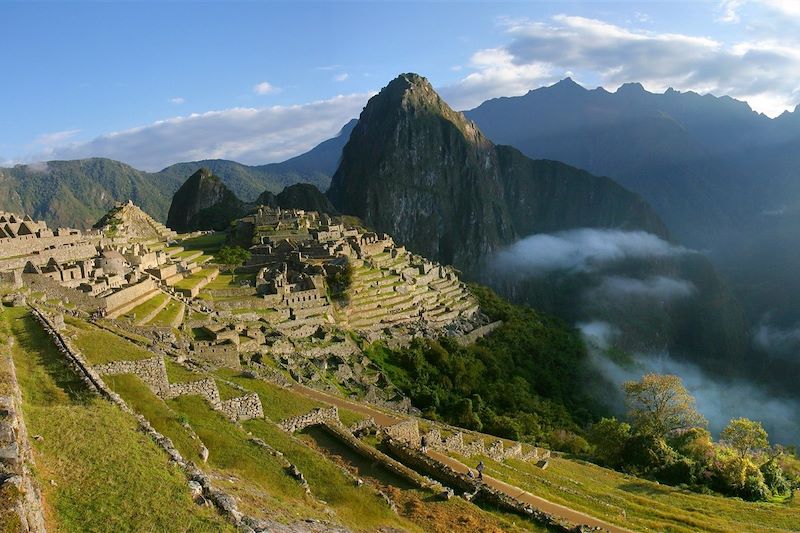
pixel 384 419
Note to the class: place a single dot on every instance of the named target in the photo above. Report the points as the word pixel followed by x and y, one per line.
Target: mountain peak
pixel 631 88
pixel 568 84
pixel 202 202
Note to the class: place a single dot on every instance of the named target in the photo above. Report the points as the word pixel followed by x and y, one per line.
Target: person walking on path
pixel 480 468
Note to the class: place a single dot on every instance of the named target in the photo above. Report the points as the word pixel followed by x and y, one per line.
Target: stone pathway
pixel 384 419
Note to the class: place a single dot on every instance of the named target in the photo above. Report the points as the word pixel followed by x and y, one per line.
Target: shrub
pixel 608 436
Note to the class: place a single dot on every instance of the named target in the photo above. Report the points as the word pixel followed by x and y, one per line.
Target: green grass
pixel 228 281
pixel 208 243
pixel 96 470
pixel 187 253
pixel 357 506
pixel 226 392
pixel 194 280
pixel 348 417
pixel 278 403
pixel 165 421
pixel 262 484
pixel 144 309
pixel 167 316
pixel 648 506
pixel 99 346
pixel 178 374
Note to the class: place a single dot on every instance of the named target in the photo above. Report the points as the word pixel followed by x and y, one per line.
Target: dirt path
pixel 575 517
pixel 383 419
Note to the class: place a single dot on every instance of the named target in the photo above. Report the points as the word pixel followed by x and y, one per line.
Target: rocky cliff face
pixel 203 202
pixel 422 172
pixel 298 196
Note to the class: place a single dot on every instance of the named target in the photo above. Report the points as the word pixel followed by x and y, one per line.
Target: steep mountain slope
pixel 418 170
pixel 302 196
pixel 77 193
pixel 203 202
pixel 681 151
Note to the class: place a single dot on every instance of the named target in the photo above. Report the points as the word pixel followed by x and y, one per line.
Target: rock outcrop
pixel 203 202
pixel 422 172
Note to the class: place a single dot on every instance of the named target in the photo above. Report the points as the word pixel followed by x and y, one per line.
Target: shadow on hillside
pixel 342 454
pixel 37 344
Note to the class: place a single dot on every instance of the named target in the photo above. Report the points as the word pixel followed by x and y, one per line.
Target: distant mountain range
pixel 77 193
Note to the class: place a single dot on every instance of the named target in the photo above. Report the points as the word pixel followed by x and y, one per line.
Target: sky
pixel 153 84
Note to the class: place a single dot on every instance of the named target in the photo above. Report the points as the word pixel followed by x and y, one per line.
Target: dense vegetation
pixel 667 441
pixel 519 382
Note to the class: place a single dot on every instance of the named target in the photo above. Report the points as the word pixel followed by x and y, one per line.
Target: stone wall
pixel 316 417
pixel 125 296
pixel 477 333
pixel 243 407
pixel 226 354
pixel 20 500
pixel 406 431
pixel 340 433
pixel 64 254
pixel 443 473
pixel 206 388
pixel 222 500
pixel 151 371
pixel 53 290
pixel 497 450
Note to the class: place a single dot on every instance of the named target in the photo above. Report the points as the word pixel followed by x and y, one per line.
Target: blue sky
pixel 156 83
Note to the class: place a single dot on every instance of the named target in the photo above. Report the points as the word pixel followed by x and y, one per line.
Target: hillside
pixel 417 169
pixel 77 193
pixel 203 202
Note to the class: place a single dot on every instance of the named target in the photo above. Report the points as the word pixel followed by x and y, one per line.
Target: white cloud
pixel 248 135
pixel 264 87
pixel 661 288
pixel 48 140
pixel 341 77
pixel 760 71
pixel 580 250
pixel 178 100
pixel 495 74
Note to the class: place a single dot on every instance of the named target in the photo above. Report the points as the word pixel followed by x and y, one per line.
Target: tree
pixel 659 405
pixel 745 436
pixel 232 255
pixel 609 437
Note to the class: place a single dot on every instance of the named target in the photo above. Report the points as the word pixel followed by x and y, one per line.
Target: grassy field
pixel 209 244
pixel 144 309
pixel 360 506
pixel 97 471
pixel 99 346
pixel 278 402
pixel 194 280
pixel 228 281
pixel 164 420
pixel 178 374
pixel 167 316
pixel 261 483
pixel 639 504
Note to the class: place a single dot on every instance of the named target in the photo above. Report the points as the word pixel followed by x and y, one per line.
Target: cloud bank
pixel 248 135
pixel 581 250
pixel 719 401
pixel 760 69
pixel 660 288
